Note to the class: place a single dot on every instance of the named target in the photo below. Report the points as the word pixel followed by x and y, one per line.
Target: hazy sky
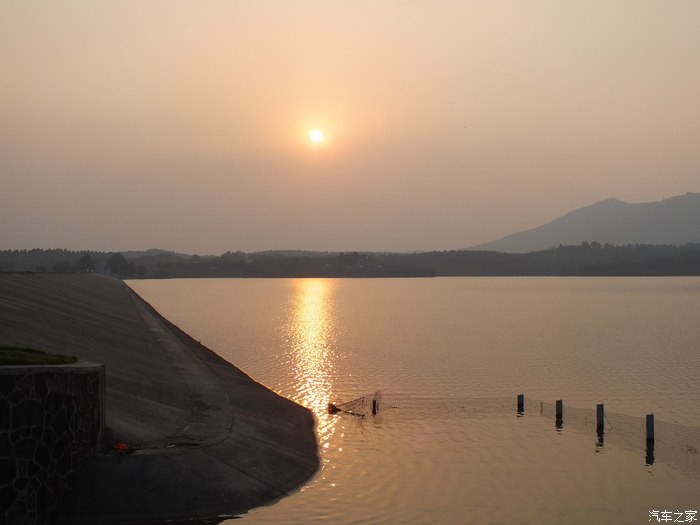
pixel 184 124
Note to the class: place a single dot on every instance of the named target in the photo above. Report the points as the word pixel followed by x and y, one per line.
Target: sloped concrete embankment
pixel 208 439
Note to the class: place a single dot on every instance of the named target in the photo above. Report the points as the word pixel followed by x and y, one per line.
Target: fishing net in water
pixel 406 404
pixel 360 406
pixel 674 444
pixel 677 445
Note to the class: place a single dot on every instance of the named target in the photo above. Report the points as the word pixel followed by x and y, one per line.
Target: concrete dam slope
pixel 208 440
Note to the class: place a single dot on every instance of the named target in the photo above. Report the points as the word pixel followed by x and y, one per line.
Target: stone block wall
pixel 51 419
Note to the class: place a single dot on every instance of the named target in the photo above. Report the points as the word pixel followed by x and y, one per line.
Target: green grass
pixel 13 355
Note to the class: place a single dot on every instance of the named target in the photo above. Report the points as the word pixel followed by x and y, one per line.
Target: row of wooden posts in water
pixel 600 424
pixel 357 407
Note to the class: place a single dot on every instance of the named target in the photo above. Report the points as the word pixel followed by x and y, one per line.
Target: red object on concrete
pixel 121 447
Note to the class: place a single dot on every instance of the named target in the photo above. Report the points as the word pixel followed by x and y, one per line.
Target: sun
pixel 316 135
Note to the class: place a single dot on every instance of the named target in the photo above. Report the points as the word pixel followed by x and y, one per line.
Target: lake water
pixel 448 357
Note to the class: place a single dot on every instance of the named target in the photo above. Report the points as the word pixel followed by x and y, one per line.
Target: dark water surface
pixel 448 356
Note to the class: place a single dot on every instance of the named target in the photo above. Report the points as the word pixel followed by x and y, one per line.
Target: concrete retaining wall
pixel 51 419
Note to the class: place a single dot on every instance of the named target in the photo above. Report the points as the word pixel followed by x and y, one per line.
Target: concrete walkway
pixel 209 440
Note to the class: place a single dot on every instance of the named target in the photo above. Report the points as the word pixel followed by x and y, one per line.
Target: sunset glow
pixel 316 135
pixel 321 109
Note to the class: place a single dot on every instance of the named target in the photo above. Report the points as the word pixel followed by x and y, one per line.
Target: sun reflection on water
pixel 311 338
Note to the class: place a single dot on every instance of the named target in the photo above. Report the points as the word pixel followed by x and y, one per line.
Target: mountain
pixel 671 221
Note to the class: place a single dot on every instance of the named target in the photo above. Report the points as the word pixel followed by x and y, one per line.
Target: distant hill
pixel 671 221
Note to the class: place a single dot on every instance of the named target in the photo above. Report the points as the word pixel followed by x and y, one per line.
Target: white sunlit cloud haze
pixel 186 125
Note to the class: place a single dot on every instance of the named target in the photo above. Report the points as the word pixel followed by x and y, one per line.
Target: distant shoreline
pixel 586 259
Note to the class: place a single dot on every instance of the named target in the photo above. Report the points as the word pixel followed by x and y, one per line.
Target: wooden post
pixel 650 439
pixel 600 425
pixel 374 407
pixel 600 418
pixel 521 404
pixel 560 413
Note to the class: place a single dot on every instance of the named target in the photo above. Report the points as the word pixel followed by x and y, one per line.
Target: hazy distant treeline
pixel 67 261
pixel 584 259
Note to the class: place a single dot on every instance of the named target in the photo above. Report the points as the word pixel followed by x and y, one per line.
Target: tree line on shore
pixel 67 261
pixel 586 259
